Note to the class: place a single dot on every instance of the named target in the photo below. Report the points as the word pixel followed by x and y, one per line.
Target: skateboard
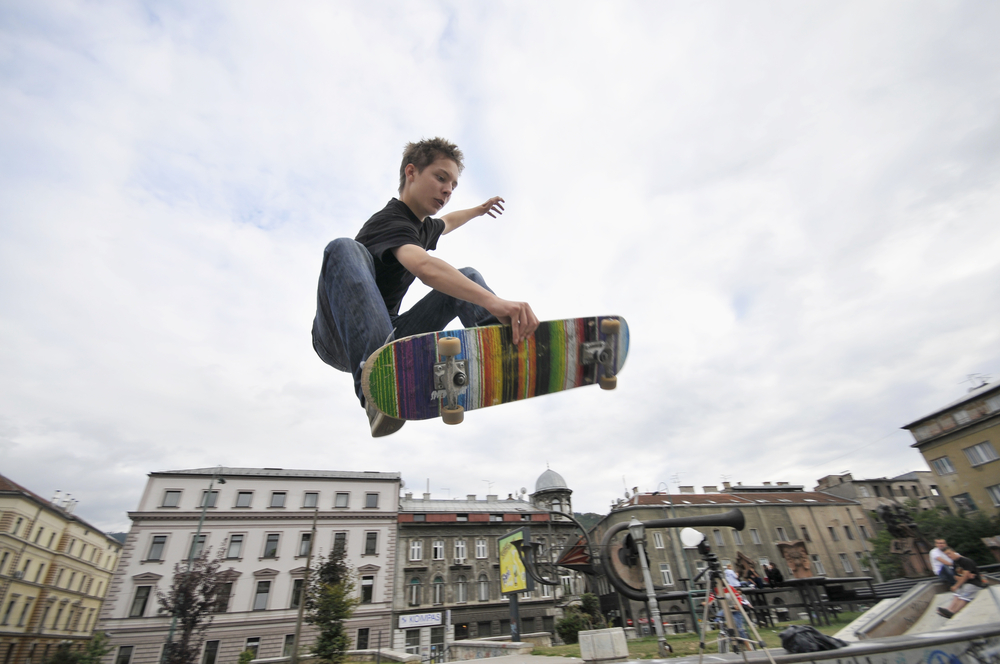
pixel 444 374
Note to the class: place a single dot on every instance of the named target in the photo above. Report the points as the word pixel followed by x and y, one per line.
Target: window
pixel 717 534
pixel 461 517
pixel 414 591
pixel 211 652
pixel 846 564
pixel 419 518
pixel 764 562
pixel 305 544
pixel 817 564
pixel 965 503
pixel 235 546
pixel 665 574
pixel 862 560
pixel 658 539
pixel 754 536
pixel 416 549
pixel 961 417
pixel 271 546
pixel 481 548
pixel 849 532
pixel 296 593
pixel 805 534
pixel 339 541
pixel 547 591
pixel 38 535
pixel 461 590
pixel 981 453
pixel 244 498
pixel 878 492
pixel 438 590
pixel 253 645
pixel 942 466
pixel 484 588
pixel 700 566
pixel 782 537
pixel 260 597
pixel 310 499
pixel 413 641
pixel 994 494
pixel 124 655
pixel 342 500
pixel 362 641
pixel 197 545
pixel 367 589
pixel 863 491
pixel 139 602
pixel 289 646
pixel 38 574
pixel 209 498
pixel 371 544
pixel 278 499
pixel 460 551
pixel 864 532
pixel 496 517
pixel 222 597
pixel 833 533
pixel 437 550
pixel 371 500
pixel 737 538
pixel 170 499
pixel 156 548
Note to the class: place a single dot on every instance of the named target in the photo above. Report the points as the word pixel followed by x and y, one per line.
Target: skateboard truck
pixel 602 353
pixel 450 378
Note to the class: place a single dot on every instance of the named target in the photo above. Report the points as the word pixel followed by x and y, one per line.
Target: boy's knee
pixel 473 273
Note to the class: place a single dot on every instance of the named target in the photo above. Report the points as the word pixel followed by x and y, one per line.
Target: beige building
pixel 960 443
pixel 919 486
pixel 55 569
pixel 834 531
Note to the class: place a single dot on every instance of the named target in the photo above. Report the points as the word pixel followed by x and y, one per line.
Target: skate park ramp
pixel 915 612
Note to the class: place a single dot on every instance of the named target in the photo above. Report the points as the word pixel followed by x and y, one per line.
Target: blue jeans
pixel 352 321
pixel 947 575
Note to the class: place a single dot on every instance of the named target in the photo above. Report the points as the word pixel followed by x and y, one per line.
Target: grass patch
pixel 687 644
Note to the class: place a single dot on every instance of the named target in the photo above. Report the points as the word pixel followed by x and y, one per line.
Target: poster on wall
pixel 513 577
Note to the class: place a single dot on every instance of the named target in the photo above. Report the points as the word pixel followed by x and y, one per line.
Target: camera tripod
pixel 720 592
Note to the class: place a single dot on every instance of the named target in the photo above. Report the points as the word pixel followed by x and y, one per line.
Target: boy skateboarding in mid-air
pixel 363 281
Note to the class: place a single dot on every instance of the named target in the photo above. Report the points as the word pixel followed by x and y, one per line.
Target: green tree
pixel 97 647
pixel 570 626
pixel 329 602
pixel 590 605
pixel 191 601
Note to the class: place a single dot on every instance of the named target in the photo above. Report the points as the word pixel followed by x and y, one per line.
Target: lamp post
pixel 638 532
pixel 216 476
pixel 679 555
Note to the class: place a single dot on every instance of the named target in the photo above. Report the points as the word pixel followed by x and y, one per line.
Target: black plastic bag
pixel 804 638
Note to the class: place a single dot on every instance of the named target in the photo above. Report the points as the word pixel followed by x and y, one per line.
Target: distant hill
pixel 118 536
pixel 588 519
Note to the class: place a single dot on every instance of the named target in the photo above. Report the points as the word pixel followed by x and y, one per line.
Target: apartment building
pixel 960 442
pixel 55 570
pixel 261 518
pixel 449 565
pixel 917 486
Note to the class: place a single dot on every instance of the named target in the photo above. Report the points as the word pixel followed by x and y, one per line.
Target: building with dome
pixel 448 561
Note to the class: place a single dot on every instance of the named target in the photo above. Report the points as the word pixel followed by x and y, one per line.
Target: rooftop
pixel 281 472
pixel 971 395
pixel 464 506
pixel 735 497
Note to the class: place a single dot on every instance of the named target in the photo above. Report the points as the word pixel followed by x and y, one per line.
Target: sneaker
pixel 944 612
pixel 382 424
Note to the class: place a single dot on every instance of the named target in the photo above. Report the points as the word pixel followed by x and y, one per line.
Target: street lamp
pixel 638 532
pixel 216 477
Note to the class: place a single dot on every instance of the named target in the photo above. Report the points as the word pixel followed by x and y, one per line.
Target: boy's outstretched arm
pixel 442 277
pixel 453 220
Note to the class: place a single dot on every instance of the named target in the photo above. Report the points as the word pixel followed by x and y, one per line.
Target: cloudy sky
pixel 794 205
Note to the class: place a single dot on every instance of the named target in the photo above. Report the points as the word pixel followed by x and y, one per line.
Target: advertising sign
pixel 419 620
pixel 513 577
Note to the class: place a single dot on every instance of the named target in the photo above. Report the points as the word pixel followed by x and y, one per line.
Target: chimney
pixel 491 497
pixel 710 489
pixel 786 483
pixel 726 486
pixel 686 489
pixel 427 496
pixel 470 497
pixel 510 496
pixel 409 495
pixel 767 484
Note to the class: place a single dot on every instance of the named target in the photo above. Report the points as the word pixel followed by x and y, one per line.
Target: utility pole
pixel 302 594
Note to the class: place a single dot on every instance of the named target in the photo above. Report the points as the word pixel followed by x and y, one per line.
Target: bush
pixel 569 627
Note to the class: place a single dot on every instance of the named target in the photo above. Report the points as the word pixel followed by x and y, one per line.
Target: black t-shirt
pixel 964 563
pixel 394 226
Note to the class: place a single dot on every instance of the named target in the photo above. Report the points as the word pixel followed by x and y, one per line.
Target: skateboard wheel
pixel 611 326
pixel 453 415
pixel 449 346
pixel 609 382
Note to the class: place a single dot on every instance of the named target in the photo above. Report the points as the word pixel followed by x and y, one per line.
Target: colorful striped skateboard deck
pixel 399 378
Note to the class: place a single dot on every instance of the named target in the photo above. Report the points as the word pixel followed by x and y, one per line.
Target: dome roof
pixel 549 480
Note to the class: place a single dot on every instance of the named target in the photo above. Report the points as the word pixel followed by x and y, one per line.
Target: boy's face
pixel 429 190
pixel 940 543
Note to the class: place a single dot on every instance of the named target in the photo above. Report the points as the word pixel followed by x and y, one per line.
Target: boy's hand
pixel 518 315
pixel 492 207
